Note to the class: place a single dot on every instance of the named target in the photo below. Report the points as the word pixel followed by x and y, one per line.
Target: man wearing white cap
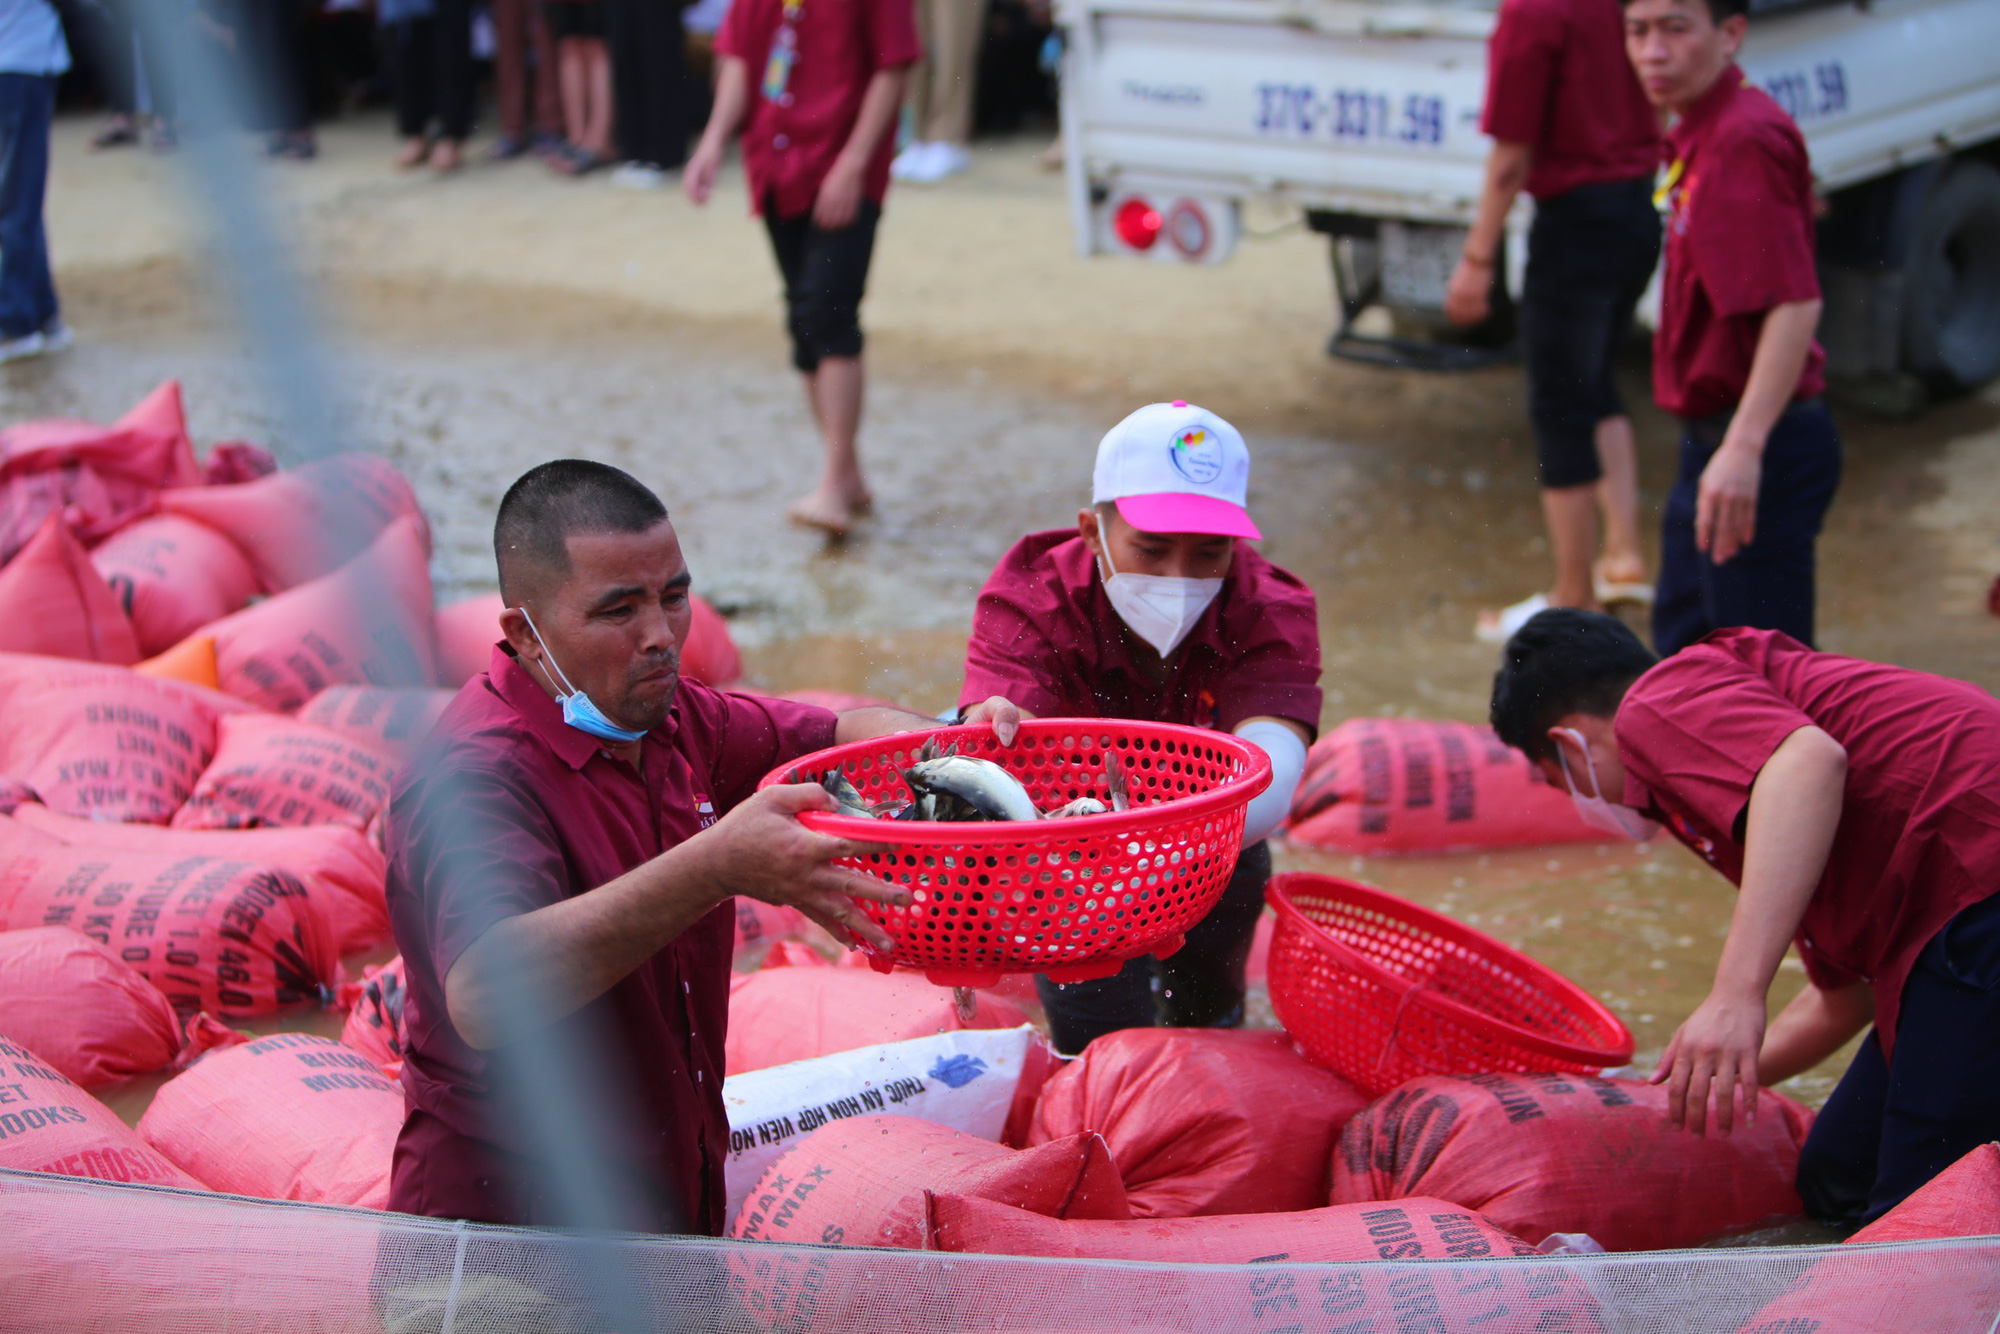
pixel 1154 608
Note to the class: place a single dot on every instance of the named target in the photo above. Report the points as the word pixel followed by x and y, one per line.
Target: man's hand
pixel 761 851
pixel 1716 1049
pixel 1725 515
pixel 839 198
pixel 698 177
pixel 1003 713
pixel 1468 297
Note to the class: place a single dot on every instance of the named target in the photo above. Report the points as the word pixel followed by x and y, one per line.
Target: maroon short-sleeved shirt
pixel 508 809
pixel 1739 241
pixel 1045 636
pixel 789 144
pixel 1557 80
pixel 1919 834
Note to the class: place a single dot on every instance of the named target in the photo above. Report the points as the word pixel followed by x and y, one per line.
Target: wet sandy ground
pixel 485 324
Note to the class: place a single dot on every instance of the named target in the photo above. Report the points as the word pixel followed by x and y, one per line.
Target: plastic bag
pixel 790 1014
pixel 1961 1201
pixel 1203 1121
pixel 288 1117
pixel 173 576
pixel 48 1124
pixel 191 662
pixel 393 719
pixel 466 632
pixel 53 601
pixel 344 869
pixel 271 771
pixel 1573 1153
pixel 299 525
pixel 235 938
pixel 367 623
pixel 375 1025
pixel 1399 785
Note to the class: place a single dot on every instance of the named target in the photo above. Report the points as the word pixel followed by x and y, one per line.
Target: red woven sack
pixel 275 772
pixel 710 654
pixel 1961 1201
pixel 288 1117
pixel 367 623
pixel 375 1026
pixel 1573 1153
pixel 467 630
pixel 1398 785
pixel 861 1182
pixel 48 1124
pixel 235 938
pixel 103 742
pixel 53 601
pixel 232 462
pixel 72 1002
pixel 342 868
pixel 1203 1121
pixel 296 526
pixel 173 576
pixel 395 720
pixel 789 1014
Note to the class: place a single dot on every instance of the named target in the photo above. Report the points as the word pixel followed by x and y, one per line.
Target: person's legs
pixel 1081 1012
pixel 451 56
pixel 1618 502
pixel 573 70
pixel 511 46
pixel 548 106
pixel 410 68
pixel 1631 244
pixel 921 73
pixel 1771 583
pixel 1680 612
pixel 1571 515
pixel 824 297
pixel 27 290
pixel 956 27
pixel 1837 1163
pixel 1201 984
pixel 597 84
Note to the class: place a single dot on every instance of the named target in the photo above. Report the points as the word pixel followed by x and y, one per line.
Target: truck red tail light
pixel 1137 223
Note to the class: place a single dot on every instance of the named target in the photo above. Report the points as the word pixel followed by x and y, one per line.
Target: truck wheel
pixel 1951 313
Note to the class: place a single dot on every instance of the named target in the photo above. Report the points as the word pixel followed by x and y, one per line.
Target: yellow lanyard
pixel 1663 193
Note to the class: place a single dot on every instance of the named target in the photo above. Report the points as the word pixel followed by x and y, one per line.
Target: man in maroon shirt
pixel 563 854
pixel 1571 126
pixel 818 137
pixel 1152 607
pixel 1857 807
pixel 1734 356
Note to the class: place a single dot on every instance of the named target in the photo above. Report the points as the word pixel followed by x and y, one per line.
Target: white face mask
pixel 1160 609
pixel 1604 816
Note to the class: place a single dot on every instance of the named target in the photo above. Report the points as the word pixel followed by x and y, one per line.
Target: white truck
pixel 1363 115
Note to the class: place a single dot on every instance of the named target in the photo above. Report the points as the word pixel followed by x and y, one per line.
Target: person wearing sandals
pixel 583 69
pixel 430 51
pixel 818 134
pixel 1572 127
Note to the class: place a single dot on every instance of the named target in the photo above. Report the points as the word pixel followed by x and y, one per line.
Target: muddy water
pixel 1407 503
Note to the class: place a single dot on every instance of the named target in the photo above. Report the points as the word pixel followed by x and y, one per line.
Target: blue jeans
pixel 1768 585
pixel 27 291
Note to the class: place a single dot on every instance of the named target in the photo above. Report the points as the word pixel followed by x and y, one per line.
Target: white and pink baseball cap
pixel 1176 468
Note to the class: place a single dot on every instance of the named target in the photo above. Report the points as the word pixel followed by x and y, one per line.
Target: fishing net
pixel 89 1256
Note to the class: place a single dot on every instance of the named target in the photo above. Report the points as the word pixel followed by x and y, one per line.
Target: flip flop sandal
pixel 115 136
pixel 1612 591
pixel 1499 627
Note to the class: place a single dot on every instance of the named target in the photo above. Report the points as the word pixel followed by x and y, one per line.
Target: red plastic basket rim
pixel 1278 895
pixel 1136 820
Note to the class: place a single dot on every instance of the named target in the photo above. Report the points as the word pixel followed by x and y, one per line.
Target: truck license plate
pixel 1417 260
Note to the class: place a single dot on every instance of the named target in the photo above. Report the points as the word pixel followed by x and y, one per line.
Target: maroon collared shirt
pixel 1739 241
pixel 789 143
pixel 1919 832
pixel 1045 636
pixel 508 809
pixel 1557 80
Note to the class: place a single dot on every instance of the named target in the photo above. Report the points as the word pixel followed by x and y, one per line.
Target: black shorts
pixel 825 275
pixel 1591 253
pixel 574 18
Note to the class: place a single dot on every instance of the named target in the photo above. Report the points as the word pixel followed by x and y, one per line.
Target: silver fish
pixel 846 797
pixel 1114 779
pixel 1081 806
pixel 960 787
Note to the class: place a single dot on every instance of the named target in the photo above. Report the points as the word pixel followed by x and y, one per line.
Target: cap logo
pixel 1197 455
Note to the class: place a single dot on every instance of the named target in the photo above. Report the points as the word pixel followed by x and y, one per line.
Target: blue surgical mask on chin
pixel 578 709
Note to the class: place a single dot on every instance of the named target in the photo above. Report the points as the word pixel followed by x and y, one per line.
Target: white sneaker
pixel 638 176
pixel 27 345
pixel 913 156
pixel 1497 627
pixel 948 160
pixel 56 336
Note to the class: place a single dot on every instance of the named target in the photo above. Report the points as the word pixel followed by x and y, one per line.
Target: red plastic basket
pixel 1380 991
pixel 1071 898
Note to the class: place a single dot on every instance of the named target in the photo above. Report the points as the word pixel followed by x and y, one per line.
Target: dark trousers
pixel 27 289
pixel 1590 254
pixel 271 43
pixel 120 53
pixel 825 276
pixel 1199 986
pixel 1893 1125
pixel 520 32
pixel 1769 584
pixel 432 62
pixel 649 92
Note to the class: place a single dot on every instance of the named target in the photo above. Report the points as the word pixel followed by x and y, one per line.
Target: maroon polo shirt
pixel 1919 834
pixel 789 145
pixel 508 809
pixel 1557 80
pixel 1739 240
pixel 1045 636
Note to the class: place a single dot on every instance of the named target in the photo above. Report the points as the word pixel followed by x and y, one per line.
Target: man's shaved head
pixel 553 502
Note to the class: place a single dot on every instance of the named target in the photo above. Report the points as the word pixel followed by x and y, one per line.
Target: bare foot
pixel 447 157
pixel 827 513
pixel 415 153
